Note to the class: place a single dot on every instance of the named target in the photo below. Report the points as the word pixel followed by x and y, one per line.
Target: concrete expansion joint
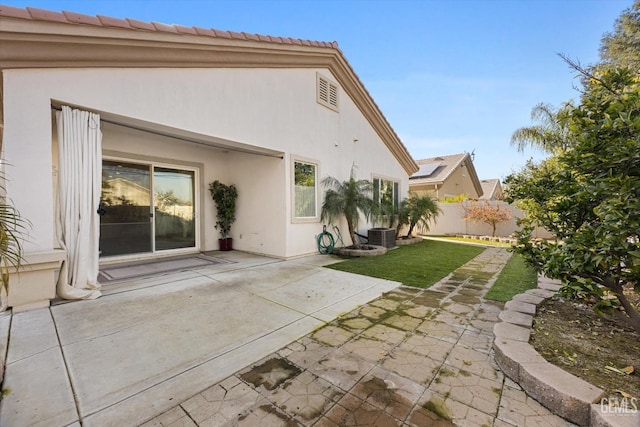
pixel 559 391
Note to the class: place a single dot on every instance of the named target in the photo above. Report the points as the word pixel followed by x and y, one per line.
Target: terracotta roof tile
pixel 205 32
pixel 14 12
pixel 185 30
pixel 164 27
pixel 108 21
pixel 237 35
pixel 250 36
pixel 223 34
pixel 79 18
pixel 141 25
pixel 46 15
pixel 134 24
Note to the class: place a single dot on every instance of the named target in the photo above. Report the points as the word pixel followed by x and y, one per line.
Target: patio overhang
pixel 176 133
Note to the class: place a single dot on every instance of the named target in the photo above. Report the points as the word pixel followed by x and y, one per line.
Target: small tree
pixel 349 198
pixel 417 210
pixel 485 213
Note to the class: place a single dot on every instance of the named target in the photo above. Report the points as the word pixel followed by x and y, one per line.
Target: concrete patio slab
pixel 153 341
pixel 268 342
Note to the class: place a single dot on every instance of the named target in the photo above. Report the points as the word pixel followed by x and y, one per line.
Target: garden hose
pixel 325 241
pixel 337 231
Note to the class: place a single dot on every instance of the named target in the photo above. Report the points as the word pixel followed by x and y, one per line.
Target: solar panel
pixel 426 170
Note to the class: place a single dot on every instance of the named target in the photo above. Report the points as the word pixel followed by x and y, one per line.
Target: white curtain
pixel 78 196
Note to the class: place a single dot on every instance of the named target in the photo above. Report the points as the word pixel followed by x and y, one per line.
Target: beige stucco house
pixel 445 177
pixel 174 108
pixel 491 189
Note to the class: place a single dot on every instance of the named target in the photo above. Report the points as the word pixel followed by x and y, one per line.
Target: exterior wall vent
pixel 327 92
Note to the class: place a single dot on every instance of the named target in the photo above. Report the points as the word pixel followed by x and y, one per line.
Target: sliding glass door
pixel 175 225
pixel 146 208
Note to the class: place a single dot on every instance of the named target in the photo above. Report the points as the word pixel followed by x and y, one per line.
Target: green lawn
pixel 478 241
pixel 420 265
pixel 515 278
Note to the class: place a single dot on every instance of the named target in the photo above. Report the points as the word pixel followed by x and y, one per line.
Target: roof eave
pixel 473 175
pixel 26 43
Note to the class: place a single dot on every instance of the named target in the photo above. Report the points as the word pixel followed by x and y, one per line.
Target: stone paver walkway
pixel 410 358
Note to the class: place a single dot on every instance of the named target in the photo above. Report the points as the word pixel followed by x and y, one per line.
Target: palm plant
pixel 386 213
pixel 417 210
pixel 550 135
pixel 12 229
pixel 349 198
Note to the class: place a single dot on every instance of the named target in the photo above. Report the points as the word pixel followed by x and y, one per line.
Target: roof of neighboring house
pixel 491 189
pixel 37 38
pixel 436 170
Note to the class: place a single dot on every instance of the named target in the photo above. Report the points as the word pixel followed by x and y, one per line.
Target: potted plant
pixel 224 197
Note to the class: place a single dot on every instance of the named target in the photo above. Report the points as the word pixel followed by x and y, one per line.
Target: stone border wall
pixel 561 392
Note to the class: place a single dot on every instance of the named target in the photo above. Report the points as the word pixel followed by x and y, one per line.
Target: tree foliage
pixel 349 199
pixel 487 214
pixel 588 192
pixel 551 133
pixel 622 46
pixel 589 195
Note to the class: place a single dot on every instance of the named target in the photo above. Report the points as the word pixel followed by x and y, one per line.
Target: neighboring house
pixel 491 190
pixel 179 107
pixel 446 176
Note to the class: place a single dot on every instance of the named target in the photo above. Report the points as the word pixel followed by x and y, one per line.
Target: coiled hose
pixel 325 241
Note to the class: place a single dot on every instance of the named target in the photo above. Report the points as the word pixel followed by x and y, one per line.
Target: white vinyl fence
pixel 451 221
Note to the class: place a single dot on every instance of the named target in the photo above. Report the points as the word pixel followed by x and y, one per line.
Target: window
pixel 386 192
pixel 327 92
pixel 305 194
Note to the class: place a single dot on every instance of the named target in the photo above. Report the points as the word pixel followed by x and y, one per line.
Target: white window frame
pixel 327 92
pixel 305 219
pixel 395 186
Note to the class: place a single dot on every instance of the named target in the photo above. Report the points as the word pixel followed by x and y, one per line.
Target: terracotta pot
pixel 226 244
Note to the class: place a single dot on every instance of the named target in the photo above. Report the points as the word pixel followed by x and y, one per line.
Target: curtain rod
pixel 181 138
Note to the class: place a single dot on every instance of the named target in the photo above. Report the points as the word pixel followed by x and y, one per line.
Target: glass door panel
pixel 174 205
pixel 125 209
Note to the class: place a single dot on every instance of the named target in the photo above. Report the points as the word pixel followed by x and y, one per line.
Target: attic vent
pixel 327 93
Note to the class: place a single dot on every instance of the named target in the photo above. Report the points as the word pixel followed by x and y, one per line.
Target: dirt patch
pixel 271 373
pixel 598 349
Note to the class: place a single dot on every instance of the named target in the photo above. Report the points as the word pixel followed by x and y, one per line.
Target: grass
pixel 420 265
pixel 478 241
pixel 515 278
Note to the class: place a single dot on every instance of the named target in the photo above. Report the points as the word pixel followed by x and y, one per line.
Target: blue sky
pixel 449 75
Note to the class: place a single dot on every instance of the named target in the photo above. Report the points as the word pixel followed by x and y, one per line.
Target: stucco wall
pixel 451 221
pixel 274 108
pixel 458 183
